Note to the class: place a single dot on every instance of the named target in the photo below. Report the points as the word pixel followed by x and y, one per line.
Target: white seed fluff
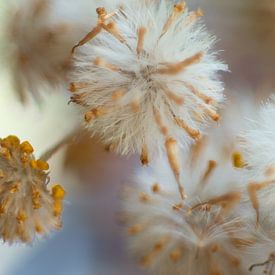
pixel 257 141
pixel 39 38
pixel 146 73
pixel 207 233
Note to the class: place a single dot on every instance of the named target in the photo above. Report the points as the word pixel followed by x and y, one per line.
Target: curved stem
pixel 56 147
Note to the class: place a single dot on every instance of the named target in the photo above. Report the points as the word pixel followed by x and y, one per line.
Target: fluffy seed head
pixel 146 73
pixel 258 138
pixel 203 234
pixel 39 39
pixel 27 207
pixel 258 149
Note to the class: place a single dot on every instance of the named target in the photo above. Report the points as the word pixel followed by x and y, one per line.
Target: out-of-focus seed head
pixel 39 38
pixel 208 232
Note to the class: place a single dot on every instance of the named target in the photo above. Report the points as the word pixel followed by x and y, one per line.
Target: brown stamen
pixel 252 192
pixel 118 94
pixel 212 113
pixel 141 36
pixel 193 17
pixel 102 17
pixel 226 202
pixel 177 11
pixel 193 133
pixel 179 100
pixel 144 158
pixel 173 155
pixel 156 188
pixel 74 87
pixel 133 230
pixel 158 247
pixel 100 62
pixel 113 30
pixel 159 121
pixel 172 69
pixel 212 164
pixel 143 197
pixel 200 95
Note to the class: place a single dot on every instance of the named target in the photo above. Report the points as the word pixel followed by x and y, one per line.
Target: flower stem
pixel 56 147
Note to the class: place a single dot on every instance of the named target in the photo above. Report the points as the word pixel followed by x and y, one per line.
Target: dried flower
pixel 147 79
pixel 27 207
pixel 207 233
pixel 40 35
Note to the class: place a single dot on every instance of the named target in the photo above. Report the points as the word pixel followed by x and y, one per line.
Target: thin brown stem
pixel 56 147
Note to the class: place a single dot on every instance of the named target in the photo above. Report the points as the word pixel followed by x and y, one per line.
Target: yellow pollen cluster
pixel 27 207
pixel 238 161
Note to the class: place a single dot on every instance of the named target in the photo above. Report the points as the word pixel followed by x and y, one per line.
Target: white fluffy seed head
pixel 206 233
pixel 148 73
pixel 258 140
pixel 258 150
pixel 39 38
pixel 27 207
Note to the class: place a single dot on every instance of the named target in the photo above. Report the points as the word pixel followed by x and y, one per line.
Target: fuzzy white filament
pixel 205 234
pixel 146 74
pixel 39 38
pixel 257 140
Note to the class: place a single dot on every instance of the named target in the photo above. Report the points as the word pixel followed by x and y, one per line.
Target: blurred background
pixel 91 241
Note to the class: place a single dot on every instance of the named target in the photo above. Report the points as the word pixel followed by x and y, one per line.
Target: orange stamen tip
pixel 58 193
pixel 177 207
pixel 237 160
pixel 42 165
pixel 144 197
pixel 26 147
pixel 10 142
pixel 72 87
pixel 175 255
pixel 89 116
pixel 21 217
pixel 39 229
pixel 180 7
pixel 156 188
pixel 135 229
pixel 215 248
pixel 117 95
pixel 58 208
pixel 101 11
pixel 144 157
pixel 5 152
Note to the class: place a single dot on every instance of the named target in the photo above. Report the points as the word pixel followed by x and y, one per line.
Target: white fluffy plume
pixel 207 233
pixel 146 74
pixel 258 139
pixel 39 37
pixel 258 149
